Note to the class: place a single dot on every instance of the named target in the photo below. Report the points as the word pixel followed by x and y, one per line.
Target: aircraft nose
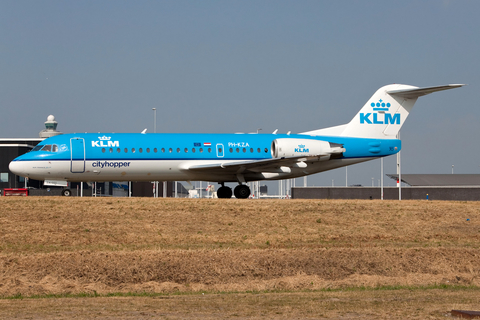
pixel 17 167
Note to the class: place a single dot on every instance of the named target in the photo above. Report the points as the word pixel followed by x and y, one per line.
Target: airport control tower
pixel 50 128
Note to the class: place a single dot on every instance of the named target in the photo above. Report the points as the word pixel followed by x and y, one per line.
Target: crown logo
pixel 104 138
pixel 380 105
pixel 301 146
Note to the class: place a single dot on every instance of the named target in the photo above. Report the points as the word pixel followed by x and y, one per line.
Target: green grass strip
pixel 156 294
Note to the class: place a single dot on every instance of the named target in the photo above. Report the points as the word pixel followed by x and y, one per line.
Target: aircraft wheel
pixel 66 192
pixel 224 193
pixel 242 191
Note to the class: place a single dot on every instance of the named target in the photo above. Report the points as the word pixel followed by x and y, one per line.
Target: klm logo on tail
pixel 377 118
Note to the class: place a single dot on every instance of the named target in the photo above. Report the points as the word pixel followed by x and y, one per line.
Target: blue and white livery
pixel 226 157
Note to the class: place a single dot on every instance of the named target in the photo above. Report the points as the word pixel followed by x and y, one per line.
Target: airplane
pixel 240 158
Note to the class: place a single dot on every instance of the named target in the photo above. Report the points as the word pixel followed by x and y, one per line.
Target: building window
pixel 4 177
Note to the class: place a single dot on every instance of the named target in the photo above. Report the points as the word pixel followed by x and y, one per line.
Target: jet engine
pixel 290 147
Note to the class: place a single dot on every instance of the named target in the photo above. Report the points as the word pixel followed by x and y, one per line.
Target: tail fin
pixel 386 111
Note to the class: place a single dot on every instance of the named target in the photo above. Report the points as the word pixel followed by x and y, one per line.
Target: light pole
pixel 452 168
pixel 155 131
pixel 381 178
pixel 154 120
pixel 346 176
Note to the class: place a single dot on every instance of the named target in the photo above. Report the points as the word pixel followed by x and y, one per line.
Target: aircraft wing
pixel 267 165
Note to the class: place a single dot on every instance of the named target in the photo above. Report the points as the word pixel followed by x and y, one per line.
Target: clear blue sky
pixel 235 66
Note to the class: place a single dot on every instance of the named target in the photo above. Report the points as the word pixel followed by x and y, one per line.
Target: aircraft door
pixel 220 150
pixel 77 155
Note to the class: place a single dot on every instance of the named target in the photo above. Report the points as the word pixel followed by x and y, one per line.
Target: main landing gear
pixel 241 191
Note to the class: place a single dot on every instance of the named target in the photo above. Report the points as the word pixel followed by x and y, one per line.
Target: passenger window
pixel 266 150
pixel 231 150
pixel 238 150
pixel 193 150
pixel 251 150
pixel 170 150
pixel 133 150
pixel 186 150
pixel 258 150
pixel 140 150
pixel 244 150
pixel 126 150
pixel 156 150
pixel 111 150
pixel 118 150
pixel 209 150
pixel 163 150
pixel 178 150
pixel 103 150
pixel 148 150
pixel 220 150
pixel 201 150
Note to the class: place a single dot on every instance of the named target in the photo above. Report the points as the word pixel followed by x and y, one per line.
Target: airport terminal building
pixel 9 150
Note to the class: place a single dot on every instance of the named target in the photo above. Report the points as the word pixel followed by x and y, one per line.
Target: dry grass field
pixel 199 258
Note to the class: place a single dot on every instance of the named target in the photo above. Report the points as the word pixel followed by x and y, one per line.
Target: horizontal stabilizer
pixel 418 92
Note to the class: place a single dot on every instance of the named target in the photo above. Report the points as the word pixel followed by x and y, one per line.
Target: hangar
pixel 456 187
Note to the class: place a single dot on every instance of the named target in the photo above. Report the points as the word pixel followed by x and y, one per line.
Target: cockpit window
pixel 37 148
pixel 49 148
